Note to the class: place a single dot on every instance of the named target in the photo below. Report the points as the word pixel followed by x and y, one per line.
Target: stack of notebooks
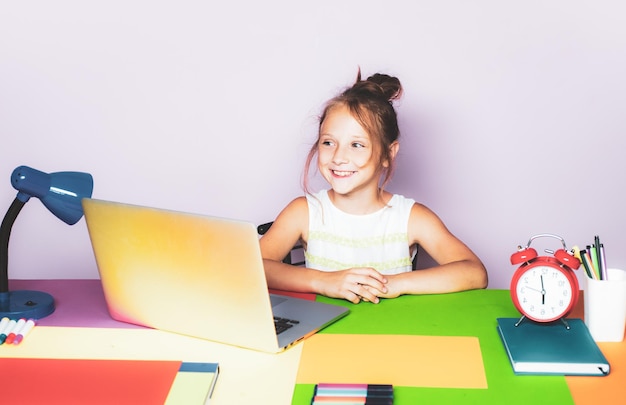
pixel 552 348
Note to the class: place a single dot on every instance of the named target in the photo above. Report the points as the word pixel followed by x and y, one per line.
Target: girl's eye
pixel 326 143
pixel 358 145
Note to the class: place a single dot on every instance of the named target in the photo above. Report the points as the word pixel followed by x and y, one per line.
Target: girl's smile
pixel 342 173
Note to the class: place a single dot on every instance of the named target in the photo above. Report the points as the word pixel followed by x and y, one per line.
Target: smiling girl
pixel 359 239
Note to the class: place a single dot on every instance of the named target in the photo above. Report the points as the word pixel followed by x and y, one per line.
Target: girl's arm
pixel 291 226
pixel 458 267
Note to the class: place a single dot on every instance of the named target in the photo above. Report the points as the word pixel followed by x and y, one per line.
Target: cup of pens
pixel 605 295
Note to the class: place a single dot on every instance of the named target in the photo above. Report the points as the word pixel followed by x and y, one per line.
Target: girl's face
pixel 347 158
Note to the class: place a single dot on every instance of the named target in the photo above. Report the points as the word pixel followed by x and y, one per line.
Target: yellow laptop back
pixel 185 273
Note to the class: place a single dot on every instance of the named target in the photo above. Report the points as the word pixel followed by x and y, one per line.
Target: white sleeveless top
pixel 338 240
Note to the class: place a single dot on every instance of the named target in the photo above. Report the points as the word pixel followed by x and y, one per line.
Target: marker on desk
pixel 322 400
pixel 344 386
pixel 28 326
pixel 17 329
pixel 9 328
pixel 354 390
pixel 3 323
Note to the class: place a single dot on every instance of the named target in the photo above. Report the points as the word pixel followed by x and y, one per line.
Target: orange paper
pixel 401 360
pixel 602 390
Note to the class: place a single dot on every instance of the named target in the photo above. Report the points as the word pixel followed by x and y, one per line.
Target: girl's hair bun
pixel 379 85
pixel 390 86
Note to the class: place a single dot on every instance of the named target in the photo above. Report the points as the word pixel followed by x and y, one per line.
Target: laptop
pixel 195 275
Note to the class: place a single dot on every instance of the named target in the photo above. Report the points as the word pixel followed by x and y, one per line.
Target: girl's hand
pixel 393 287
pixel 353 285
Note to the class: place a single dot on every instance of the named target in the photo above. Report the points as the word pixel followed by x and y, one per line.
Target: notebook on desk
pixel 195 275
pixel 552 348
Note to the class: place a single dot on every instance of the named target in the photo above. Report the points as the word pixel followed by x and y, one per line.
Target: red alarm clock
pixel 544 288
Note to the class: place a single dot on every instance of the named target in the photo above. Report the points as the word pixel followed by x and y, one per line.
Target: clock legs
pixel 563 320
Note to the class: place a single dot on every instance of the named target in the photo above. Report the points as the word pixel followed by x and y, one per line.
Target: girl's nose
pixel 340 155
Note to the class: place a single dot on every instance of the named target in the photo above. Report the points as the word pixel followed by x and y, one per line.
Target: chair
pixel 296 255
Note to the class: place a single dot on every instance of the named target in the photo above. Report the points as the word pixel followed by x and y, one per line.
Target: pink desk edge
pixel 81 303
pixel 78 303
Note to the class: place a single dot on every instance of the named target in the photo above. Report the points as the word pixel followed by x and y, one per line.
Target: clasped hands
pixel 356 285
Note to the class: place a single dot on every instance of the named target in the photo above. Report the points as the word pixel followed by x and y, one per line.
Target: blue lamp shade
pixel 62 194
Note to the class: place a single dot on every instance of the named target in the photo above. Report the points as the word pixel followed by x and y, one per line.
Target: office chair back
pixel 295 256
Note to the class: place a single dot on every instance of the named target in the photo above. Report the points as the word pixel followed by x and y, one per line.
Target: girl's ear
pixel 393 152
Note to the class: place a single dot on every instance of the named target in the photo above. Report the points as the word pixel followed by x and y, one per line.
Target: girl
pixel 359 238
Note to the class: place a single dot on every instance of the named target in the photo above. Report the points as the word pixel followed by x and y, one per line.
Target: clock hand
pixel 534 289
pixel 543 292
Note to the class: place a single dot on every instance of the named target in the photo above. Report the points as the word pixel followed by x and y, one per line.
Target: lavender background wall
pixel 513 119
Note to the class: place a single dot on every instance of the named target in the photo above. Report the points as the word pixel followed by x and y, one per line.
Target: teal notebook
pixel 535 348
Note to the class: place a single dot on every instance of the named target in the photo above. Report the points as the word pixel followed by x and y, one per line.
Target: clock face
pixel 543 293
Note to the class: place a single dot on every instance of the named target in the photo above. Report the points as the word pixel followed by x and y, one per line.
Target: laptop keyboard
pixel 282 324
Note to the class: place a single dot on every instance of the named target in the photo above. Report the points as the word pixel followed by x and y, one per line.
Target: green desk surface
pixel 470 313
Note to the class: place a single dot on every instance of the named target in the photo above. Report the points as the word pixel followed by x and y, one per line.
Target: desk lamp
pixel 61 193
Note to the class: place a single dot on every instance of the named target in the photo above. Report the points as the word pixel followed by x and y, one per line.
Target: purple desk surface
pixel 78 303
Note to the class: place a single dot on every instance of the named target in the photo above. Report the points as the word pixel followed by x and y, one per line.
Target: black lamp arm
pixel 5 233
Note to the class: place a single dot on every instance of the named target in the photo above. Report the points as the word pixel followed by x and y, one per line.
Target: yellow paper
pixel 246 376
pixel 401 360
pixel 190 388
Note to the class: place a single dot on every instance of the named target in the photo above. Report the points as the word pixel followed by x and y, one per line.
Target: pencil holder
pixel 605 306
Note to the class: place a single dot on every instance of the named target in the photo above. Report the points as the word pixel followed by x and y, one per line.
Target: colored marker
pixel 354 390
pixel 317 400
pixel 28 326
pixel 576 253
pixel 583 260
pixel 17 329
pixel 603 262
pixel 594 260
pixel 596 244
pixel 588 264
pixel 9 328
pixel 343 386
pixel 3 323
pixel 351 393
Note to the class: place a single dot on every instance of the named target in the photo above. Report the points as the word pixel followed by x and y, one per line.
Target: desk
pixel 474 313
pixel 81 328
pixel 471 313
